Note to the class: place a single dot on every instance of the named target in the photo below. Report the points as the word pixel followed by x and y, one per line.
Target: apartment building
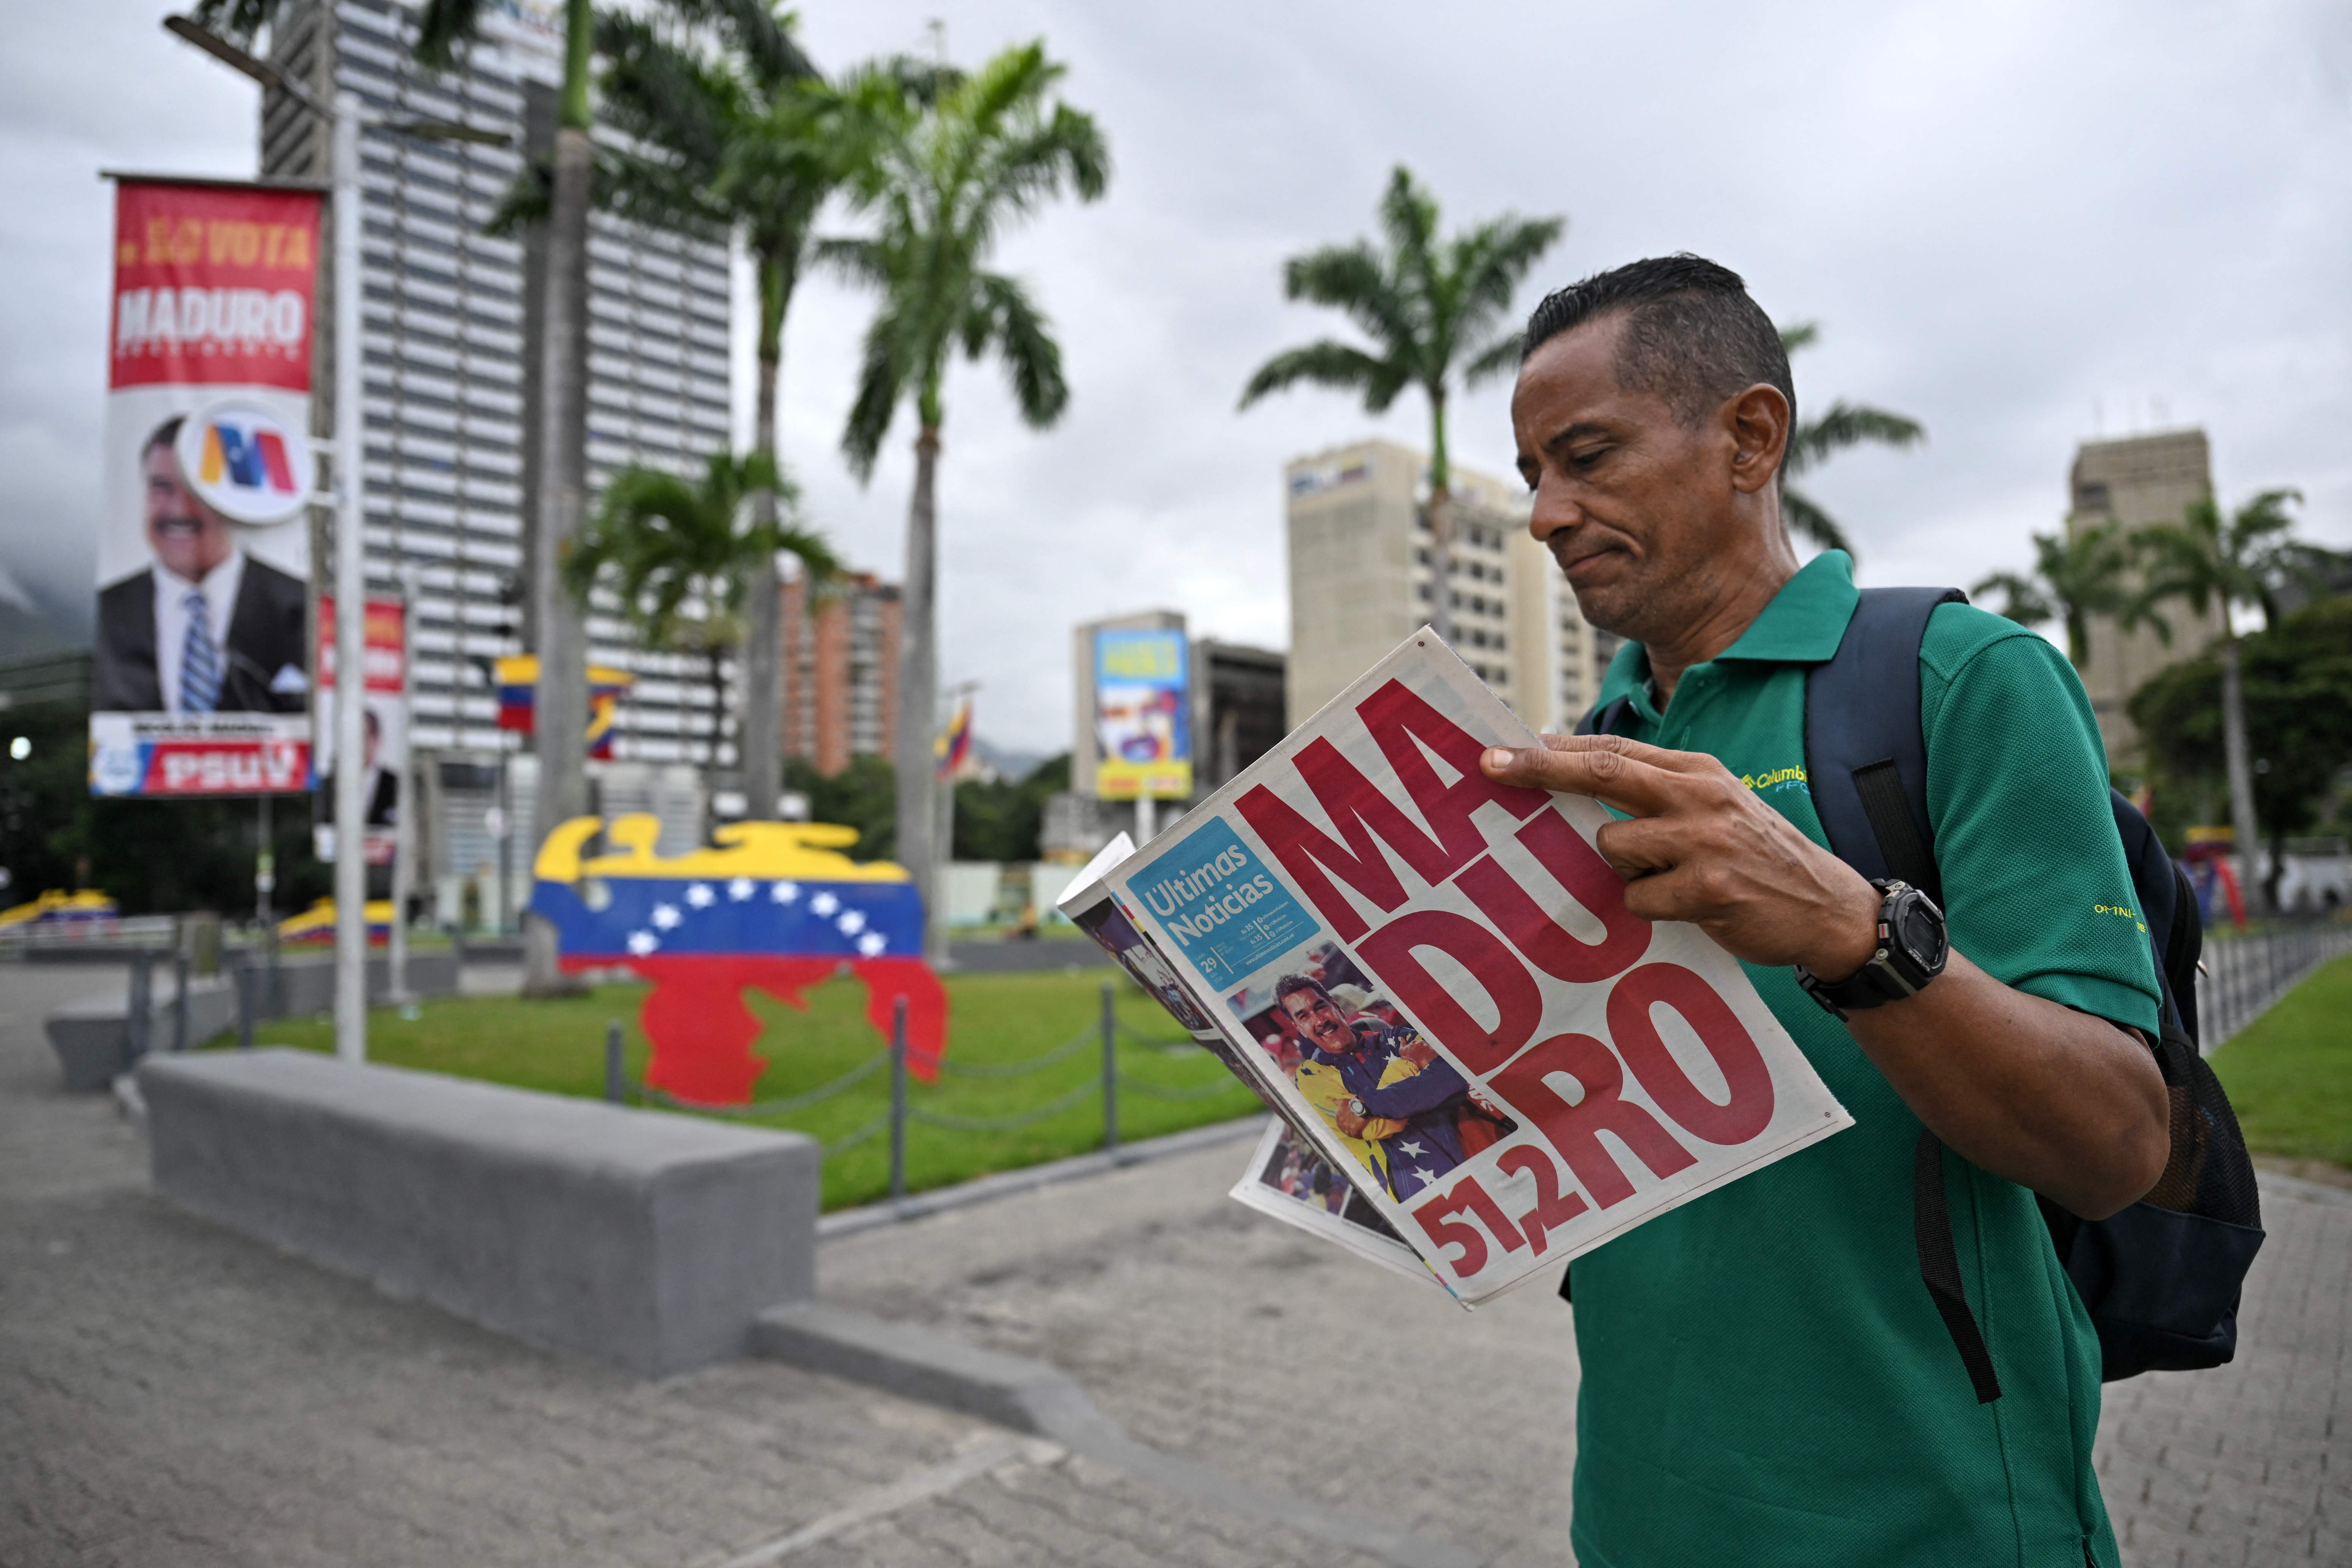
pixel 841 671
pixel 2138 482
pixel 1361 581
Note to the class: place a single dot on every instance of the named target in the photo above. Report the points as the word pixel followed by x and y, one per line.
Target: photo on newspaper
pixel 1446 991
pixel 1287 1179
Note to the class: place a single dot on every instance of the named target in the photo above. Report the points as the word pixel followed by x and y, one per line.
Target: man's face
pixel 187 536
pixel 1317 1020
pixel 1639 510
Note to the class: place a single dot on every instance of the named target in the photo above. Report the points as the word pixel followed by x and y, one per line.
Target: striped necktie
pixel 200 669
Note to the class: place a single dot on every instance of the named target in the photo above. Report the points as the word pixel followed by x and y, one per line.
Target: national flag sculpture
pixel 776 906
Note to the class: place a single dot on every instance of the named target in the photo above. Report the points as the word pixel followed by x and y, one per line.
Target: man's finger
pixel 1607 773
pixel 1639 846
pixel 1642 751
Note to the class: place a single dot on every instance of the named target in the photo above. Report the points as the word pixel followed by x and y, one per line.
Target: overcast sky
pixel 2023 225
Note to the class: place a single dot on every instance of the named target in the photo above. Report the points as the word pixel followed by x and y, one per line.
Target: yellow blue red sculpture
pixel 775 907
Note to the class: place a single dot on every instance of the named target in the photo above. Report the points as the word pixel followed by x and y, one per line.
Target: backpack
pixel 2160 1280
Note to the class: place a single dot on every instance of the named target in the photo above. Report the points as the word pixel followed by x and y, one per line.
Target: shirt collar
pixel 1803 625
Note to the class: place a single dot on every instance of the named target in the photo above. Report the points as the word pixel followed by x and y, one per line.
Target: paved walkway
pixel 173 1395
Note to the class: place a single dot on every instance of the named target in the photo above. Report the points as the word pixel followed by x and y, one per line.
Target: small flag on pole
pixel 954 744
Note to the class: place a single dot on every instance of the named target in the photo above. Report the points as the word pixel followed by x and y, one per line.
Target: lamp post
pixel 347 117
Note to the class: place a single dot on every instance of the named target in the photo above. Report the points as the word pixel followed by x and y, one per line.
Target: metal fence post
pixel 139 1016
pixel 246 979
pixel 898 1100
pixel 1110 1070
pixel 617 1077
pixel 180 999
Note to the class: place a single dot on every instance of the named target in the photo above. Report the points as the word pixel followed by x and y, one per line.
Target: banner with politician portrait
pixel 201 681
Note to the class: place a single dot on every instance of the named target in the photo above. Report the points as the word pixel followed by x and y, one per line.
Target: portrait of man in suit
pixel 205 627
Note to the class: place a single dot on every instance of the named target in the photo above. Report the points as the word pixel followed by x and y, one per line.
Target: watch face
pixel 1921 932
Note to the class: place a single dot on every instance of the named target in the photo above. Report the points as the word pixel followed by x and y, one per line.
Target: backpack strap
pixel 1866 767
pixel 1603 719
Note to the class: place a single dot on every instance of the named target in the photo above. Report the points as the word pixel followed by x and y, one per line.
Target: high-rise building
pixel 451 346
pixel 2138 482
pixel 451 350
pixel 1360 582
pixel 841 671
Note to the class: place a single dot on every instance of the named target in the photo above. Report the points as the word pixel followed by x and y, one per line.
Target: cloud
pixel 2021 224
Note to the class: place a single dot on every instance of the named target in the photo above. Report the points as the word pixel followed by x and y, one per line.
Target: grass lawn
pixel 2289 1073
pixel 993 1021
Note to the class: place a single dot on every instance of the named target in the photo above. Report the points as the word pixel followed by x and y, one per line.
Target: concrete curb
pixel 1008 1184
pixel 1032 1396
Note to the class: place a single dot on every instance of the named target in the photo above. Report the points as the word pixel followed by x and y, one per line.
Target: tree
pixel 682 558
pixel 1815 440
pixel 1434 309
pixel 1000 819
pixel 954 160
pixel 2076 574
pixel 561 720
pixel 751 138
pixel 2211 563
pixel 2296 696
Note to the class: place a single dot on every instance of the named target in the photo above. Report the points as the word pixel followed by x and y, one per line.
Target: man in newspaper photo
pixel 1766 1378
pixel 1400 1107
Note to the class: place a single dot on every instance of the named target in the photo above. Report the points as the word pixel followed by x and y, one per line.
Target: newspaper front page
pixel 1476 1055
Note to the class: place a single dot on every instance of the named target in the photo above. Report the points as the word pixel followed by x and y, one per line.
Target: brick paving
pixel 170 1394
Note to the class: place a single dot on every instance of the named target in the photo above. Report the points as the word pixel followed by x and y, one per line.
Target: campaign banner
pixel 201 676
pixel 383 679
pixel 1481 1060
pixel 1143 741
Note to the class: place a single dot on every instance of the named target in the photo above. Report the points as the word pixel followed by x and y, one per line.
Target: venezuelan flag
pixel 517 678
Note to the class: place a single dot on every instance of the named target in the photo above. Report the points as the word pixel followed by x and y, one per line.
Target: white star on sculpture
pixel 785 892
pixel 824 903
pixel 741 889
pixel 851 922
pixel 642 943
pixel 666 916
pixel 872 943
pixel 1412 1149
pixel 699 895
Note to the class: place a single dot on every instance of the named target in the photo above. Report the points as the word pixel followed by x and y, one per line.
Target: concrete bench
pixel 641 1238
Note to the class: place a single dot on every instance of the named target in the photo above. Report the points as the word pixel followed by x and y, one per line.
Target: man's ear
pixel 1758 422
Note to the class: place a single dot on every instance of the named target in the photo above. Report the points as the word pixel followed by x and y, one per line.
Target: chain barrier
pixel 893 1121
pixel 1024 1068
pixel 1055 1106
pixel 822 1093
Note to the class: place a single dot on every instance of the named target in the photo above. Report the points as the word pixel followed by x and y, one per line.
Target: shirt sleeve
pixel 2036 889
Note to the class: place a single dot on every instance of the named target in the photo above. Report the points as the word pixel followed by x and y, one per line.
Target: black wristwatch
pixel 1912 948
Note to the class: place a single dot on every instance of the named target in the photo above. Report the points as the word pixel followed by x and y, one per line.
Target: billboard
pixel 384 679
pixel 201 679
pixel 1142 719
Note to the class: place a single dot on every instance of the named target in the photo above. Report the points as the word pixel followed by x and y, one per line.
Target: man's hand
pixel 1349 1120
pixel 1701 848
pixel 2057 1100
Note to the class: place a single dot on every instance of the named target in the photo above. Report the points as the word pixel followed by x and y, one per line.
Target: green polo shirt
pixel 1766 1381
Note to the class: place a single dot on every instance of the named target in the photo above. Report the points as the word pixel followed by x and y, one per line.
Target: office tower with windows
pixel 2135 483
pixel 1361 581
pixel 451 362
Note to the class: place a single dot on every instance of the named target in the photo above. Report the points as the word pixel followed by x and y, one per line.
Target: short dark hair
pixel 163 434
pixel 1693 335
pixel 1291 986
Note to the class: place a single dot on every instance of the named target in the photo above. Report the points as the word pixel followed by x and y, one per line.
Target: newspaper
pixel 1433 984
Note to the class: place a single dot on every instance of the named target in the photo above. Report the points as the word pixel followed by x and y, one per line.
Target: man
pixel 1765 1378
pixel 1391 1099
pixel 204 629
pixel 382 790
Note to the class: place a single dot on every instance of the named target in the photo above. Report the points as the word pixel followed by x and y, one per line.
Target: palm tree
pixel 2211 563
pixel 682 560
pixel 954 160
pixel 1816 439
pixel 749 138
pixel 2076 574
pixel 444 27
pixel 1433 308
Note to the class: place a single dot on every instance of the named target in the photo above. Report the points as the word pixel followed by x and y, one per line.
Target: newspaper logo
pixel 1219 905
